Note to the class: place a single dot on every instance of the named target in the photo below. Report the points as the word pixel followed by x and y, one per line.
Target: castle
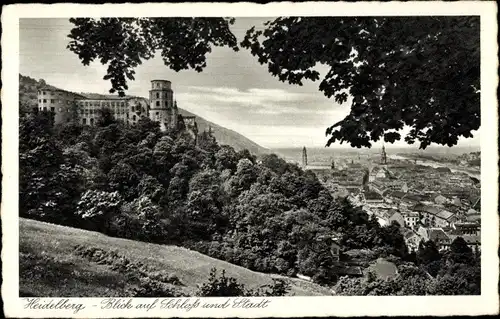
pixel 161 107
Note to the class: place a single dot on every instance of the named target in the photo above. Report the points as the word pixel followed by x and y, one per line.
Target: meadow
pixel 59 261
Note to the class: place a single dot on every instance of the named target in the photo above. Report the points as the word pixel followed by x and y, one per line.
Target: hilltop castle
pixel 161 107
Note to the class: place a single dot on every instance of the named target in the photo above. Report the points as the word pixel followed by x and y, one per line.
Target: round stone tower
pixel 161 104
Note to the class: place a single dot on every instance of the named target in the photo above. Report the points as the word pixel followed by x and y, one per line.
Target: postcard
pixel 247 160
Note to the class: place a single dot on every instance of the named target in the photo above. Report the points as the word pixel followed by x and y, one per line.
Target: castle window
pixel 40 101
pixel 157 103
pixel 52 109
pixel 86 103
pixel 91 121
pixel 52 101
pixel 157 95
pixel 133 108
pixel 157 113
pixel 133 117
pixel 84 121
pixel 44 101
pixel 43 92
pixel 113 104
pixel 166 103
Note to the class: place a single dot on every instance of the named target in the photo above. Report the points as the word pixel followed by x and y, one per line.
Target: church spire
pixel 304 157
pixel 383 155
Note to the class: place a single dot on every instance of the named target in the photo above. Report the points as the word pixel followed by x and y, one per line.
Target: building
pixel 161 107
pixel 443 218
pixel 412 240
pixel 437 235
pixel 383 156
pixel 468 228
pixel 304 157
pixel 397 217
pixel 440 199
pixel 59 102
pixel 411 219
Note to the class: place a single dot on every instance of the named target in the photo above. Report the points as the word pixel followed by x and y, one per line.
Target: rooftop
pixel 444 214
pixel 437 234
pixel 469 239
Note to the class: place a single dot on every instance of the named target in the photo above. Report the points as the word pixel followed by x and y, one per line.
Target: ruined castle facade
pixel 161 107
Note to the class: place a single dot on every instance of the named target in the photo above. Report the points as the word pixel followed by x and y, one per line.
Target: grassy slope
pixel 49 266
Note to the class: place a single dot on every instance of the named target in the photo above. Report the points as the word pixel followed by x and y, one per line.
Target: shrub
pixel 153 288
pixel 278 288
pixel 221 286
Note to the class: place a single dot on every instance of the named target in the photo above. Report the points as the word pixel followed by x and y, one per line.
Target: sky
pixel 234 90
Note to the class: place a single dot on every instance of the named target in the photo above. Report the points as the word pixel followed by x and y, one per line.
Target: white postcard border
pixel 487 303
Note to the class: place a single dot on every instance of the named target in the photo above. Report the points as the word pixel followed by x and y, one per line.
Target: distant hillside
pixel 51 264
pixel 227 136
pixel 28 98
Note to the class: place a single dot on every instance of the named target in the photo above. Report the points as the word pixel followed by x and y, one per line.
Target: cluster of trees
pixel 140 183
pixel 428 272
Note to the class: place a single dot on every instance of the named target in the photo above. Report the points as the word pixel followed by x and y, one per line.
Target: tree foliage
pixel 419 72
pixel 270 216
pixel 124 43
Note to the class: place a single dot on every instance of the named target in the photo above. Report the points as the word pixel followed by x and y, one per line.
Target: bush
pixel 278 288
pixel 153 288
pixel 221 286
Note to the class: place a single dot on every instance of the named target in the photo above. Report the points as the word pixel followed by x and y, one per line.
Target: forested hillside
pixel 161 187
pixel 139 183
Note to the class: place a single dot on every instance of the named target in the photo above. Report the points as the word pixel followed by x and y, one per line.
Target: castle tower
pixel 304 157
pixel 162 107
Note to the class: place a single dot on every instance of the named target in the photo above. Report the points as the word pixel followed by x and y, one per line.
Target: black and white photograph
pixel 251 157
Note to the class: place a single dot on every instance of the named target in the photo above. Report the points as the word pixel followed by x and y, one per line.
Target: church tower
pixel 304 157
pixel 383 155
pixel 161 104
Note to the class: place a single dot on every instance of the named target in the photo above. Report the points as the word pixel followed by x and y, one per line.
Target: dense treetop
pixel 420 72
pixel 124 43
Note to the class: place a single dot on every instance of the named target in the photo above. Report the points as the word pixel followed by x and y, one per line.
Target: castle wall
pixel 57 101
pixel 88 109
pixel 160 107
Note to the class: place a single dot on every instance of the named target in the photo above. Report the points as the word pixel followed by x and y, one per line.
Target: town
pixel 429 203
